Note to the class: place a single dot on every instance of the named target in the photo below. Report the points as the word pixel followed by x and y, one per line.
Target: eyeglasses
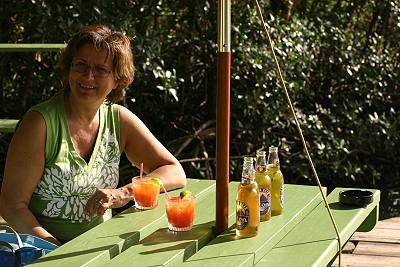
pixel 97 71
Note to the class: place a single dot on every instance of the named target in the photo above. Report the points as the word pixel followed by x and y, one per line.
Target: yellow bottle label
pixel 242 215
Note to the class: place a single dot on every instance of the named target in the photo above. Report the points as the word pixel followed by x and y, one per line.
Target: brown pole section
pixel 222 136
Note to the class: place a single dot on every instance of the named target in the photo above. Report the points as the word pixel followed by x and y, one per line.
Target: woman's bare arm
pixel 141 146
pixel 23 170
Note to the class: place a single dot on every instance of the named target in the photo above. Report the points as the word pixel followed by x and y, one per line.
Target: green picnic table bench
pixel 302 236
pixel 8 125
pixel 6 48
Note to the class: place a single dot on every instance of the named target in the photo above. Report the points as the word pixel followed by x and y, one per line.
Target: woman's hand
pixel 104 199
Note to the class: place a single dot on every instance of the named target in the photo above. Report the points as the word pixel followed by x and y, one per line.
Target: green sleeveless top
pixel 68 182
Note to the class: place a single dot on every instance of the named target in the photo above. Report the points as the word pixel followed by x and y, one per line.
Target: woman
pixel 61 170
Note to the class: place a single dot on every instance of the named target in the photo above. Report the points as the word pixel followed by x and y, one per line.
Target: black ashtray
pixel 356 197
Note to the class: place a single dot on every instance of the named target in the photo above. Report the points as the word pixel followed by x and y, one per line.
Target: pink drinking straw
pixel 141 171
pixel 166 192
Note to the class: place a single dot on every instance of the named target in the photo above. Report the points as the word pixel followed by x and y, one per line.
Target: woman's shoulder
pixel 127 116
pixel 41 112
pixel 50 111
pixel 33 121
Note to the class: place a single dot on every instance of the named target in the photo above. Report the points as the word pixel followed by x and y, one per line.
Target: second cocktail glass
pixel 146 192
pixel 180 212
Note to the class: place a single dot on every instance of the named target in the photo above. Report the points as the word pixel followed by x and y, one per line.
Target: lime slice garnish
pixel 185 194
pixel 156 181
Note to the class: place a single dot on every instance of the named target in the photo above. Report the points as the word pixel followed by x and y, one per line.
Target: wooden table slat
pixel 110 238
pixel 167 248
pixel 227 247
pixel 313 242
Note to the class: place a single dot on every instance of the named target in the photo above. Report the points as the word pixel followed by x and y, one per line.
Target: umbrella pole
pixel 223 115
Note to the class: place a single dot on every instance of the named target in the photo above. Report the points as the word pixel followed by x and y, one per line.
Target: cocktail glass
pixel 180 212
pixel 146 192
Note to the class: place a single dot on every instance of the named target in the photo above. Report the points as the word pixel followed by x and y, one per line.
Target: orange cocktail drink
pixel 145 192
pixel 180 212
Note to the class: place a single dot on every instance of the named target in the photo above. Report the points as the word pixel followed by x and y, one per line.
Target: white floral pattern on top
pixel 66 187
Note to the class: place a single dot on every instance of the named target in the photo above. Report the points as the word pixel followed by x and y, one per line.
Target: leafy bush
pixel 339 60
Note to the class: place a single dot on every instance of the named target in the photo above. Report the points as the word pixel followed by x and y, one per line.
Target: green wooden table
pixel 311 245
pixel 141 238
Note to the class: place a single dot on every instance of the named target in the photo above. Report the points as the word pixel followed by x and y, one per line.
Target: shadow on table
pixel 164 240
pixel 98 248
pixel 340 206
pixel 113 249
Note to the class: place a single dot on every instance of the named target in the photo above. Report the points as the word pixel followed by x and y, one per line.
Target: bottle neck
pixel 273 159
pixel 261 164
pixel 248 172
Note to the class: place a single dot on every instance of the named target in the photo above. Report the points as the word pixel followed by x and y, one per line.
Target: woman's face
pixel 91 77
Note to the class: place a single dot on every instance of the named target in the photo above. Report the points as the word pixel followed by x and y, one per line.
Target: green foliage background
pixel 340 61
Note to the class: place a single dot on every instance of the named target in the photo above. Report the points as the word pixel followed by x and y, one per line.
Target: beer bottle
pixel 274 172
pixel 264 186
pixel 247 202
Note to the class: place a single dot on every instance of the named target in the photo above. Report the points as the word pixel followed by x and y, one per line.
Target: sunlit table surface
pixel 302 236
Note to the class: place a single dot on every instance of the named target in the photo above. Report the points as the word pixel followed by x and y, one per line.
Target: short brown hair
pixel 118 48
